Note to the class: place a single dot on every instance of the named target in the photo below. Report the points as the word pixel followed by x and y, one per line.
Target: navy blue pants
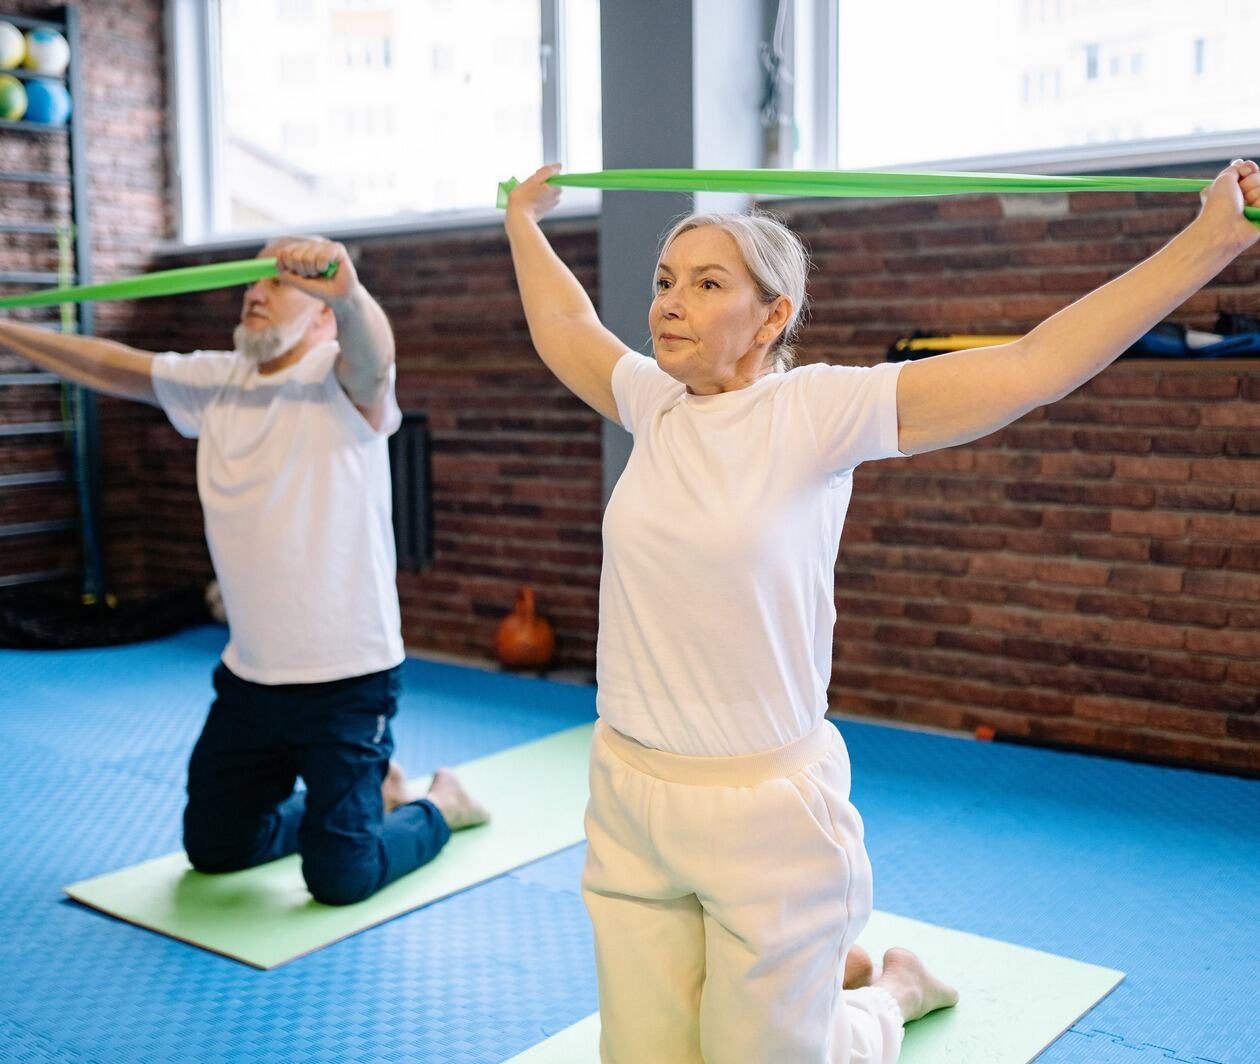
pixel 258 739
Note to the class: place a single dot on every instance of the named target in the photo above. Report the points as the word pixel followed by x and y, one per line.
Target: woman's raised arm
pixel 566 331
pixel 952 399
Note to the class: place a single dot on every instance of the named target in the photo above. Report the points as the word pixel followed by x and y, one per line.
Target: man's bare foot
pixel 912 986
pixel 394 788
pixel 857 969
pixel 457 806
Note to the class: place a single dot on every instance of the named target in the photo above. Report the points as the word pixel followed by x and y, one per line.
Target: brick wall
pixel 1089 575
pixel 122 108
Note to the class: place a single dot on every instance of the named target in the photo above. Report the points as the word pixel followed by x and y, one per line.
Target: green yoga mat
pixel 864 184
pixel 1013 1002
pixel 536 794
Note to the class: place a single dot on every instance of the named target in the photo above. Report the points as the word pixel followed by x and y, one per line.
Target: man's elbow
pixel 368 386
pixel 367 390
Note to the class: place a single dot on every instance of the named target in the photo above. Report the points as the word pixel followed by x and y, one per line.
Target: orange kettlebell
pixel 524 640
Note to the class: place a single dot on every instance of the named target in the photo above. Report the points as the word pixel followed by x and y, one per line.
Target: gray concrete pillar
pixel 681 88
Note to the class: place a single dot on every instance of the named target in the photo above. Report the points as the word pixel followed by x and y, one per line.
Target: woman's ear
pixel 777 317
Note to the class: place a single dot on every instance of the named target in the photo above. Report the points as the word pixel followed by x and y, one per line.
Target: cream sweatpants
pixel 725 893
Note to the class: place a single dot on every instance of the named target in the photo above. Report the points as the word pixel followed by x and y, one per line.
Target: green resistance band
pixel 163 283
pixel 858 183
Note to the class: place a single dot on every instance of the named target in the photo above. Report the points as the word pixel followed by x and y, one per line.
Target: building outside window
pixel 380 111
pixel 1021 79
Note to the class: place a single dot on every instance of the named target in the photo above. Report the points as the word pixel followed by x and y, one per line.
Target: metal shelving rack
pixel 80 402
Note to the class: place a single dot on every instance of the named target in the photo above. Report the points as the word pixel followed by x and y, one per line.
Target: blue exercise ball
pixel 47 101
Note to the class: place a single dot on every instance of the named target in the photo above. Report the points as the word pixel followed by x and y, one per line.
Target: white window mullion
pixel 552 62
pixel 812 47
pixel 212 34
pixel 192 42
pixel 826 48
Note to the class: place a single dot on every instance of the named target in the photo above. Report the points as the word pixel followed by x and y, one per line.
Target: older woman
pixel 726 876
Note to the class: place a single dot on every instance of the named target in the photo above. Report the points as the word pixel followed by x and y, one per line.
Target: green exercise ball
pixel 12 98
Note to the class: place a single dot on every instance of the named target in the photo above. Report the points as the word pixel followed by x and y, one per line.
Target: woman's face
pixel 710 328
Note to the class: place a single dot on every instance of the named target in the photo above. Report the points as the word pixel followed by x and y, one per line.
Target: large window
pixel 334 114
pixel 1062 84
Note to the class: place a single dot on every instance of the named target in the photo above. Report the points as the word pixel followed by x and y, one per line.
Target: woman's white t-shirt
pixel 295 488
pixel 717 596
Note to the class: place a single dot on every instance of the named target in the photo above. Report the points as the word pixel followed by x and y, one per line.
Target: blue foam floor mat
pixel 1149 870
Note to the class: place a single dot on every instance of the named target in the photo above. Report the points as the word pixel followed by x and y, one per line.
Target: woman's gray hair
pixel 775 257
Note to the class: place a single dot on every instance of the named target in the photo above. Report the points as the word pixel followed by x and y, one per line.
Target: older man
pixel 293 475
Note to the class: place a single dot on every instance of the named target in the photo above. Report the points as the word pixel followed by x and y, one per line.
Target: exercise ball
pixel 47 101
pixel 12 46
pixel 12 98
pixel 47 52
pixel 524 640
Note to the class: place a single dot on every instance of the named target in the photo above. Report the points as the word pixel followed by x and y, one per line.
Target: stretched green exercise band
pixel 163 283
pixel 853 183
pixel 857 183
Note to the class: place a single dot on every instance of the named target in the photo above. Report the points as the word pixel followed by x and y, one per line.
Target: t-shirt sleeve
pixel 185 385
pixel 854 412
pixel 640 388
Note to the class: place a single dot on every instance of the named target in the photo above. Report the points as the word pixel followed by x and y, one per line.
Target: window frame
pixel 195 132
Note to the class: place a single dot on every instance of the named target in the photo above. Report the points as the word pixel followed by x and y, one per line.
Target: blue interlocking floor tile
pixel 1145 869
pixel 561 871
pixel 475 978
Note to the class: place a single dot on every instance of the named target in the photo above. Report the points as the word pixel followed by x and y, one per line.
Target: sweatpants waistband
pixel 744 770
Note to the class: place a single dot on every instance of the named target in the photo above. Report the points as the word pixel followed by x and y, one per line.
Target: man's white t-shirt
pixel 295 487
pixel 717 596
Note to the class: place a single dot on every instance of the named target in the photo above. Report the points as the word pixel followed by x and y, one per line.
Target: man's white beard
pixel 261 346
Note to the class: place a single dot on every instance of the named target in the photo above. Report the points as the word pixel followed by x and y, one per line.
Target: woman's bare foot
pixel 912 986
pixel 857 969
pixel 394 788
pixel 457 806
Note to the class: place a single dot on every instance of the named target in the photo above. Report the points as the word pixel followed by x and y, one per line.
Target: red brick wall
pixel 1089 575
pixel 122 109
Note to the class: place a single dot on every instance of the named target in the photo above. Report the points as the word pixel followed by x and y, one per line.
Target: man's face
pixel 270 303
pixel 276 318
